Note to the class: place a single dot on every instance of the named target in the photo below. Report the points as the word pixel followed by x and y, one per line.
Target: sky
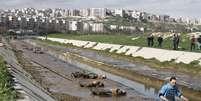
pixel 174 8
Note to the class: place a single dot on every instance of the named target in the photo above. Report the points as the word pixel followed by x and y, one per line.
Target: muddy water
pixel 141 88
pixel 131 84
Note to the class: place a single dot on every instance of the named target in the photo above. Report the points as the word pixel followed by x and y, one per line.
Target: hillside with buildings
pixel 98 54
pixel 92 20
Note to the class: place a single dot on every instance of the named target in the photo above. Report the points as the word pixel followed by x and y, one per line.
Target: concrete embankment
pixel 145 52
pixel 25 84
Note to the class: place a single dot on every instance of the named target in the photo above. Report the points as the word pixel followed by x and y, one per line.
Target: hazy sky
pixel 185 8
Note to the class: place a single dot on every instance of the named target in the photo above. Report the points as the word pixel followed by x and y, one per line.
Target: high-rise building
pixel 84 12
pixel 119 12
pixel 73 25
pixel 98 12
pixel 97 27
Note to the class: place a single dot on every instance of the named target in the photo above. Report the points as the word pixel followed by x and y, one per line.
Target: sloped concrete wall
pixel 145 52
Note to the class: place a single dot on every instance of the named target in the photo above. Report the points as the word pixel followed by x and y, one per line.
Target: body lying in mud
pixel 108 92
pixel 28 48
pixel 91 84
pixel 87 75
pixel 37 50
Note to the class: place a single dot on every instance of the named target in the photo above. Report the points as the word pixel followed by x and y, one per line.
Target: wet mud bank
pixel 40 75
pixel 57 84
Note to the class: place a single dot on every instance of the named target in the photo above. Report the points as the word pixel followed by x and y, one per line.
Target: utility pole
pixel 20 23
pixel 46 28
pixel 36 21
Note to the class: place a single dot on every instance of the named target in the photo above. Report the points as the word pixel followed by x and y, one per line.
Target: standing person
pixel 160 41
pixel 169 91
pixel 174 39
pixel 177 41
pixel 199 42
pixel 152 40
pixel 149 40
pixel 193 43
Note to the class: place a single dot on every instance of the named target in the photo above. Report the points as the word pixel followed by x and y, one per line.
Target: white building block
pixel 90 45
pixel 66 41
pixel 79 43
pixel 102 46
pixel 115 47
pixel 122 50
pixel 98 46
pixel 131 50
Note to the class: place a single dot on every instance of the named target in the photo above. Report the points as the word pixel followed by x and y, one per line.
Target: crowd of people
pixel 175 41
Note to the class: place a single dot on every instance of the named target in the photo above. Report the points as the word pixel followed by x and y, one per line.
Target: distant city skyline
pixel 174 8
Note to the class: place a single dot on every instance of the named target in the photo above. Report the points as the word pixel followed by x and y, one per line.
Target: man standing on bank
pixel 160 41
pixel 169 91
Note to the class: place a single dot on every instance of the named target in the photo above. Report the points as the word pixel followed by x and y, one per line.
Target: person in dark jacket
pixel 152 40
pixel 149 40
pixel 199 42
pixel 193 42
pixel 174 38
pixel 160 41
pixel 176 41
